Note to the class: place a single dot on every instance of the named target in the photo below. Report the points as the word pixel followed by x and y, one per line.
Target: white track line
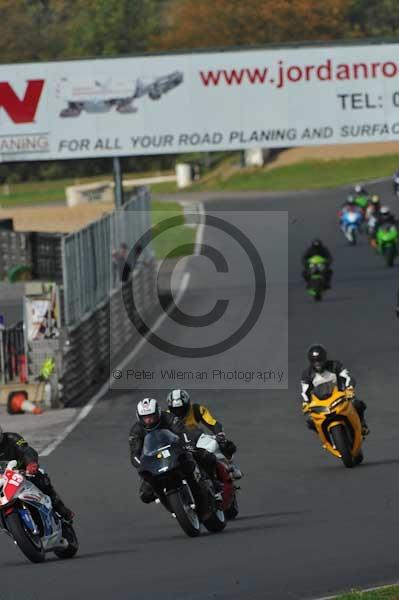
pixel 371 589
pixel 86 410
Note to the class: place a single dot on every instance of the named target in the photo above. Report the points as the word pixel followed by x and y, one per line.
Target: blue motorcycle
pixel 351 223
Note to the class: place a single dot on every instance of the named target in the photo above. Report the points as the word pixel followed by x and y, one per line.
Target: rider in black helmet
pixel 321 369
pixel 317 248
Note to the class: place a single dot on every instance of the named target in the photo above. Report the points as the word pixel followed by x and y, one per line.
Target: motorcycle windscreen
pixel 324 390
pixel 158 439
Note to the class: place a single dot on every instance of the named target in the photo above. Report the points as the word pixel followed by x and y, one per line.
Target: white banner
pixel 199 102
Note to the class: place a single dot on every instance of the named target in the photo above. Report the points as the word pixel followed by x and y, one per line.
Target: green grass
pixel 41 192
pixel 306 175
pixel 310 174
pixel 173 241
pixel 386 593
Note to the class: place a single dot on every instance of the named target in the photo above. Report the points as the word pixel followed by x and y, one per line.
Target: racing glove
pixel 32 468
pixel 350 392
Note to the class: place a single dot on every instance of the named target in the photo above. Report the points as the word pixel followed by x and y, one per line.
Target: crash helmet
pixel 148 414
pixel 385 210
pixel 178 402
pixel 358 188
pixel 317 356
pixel 351 201
pixel 375 200
pixel 316 243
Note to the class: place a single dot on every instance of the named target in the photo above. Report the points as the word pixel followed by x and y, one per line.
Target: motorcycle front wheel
pixel 185 515
pixel 216 523
pixel 342 444
pixel 390 255
pixel 29 545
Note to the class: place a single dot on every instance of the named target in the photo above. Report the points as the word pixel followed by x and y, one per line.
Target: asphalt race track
pixel 308 527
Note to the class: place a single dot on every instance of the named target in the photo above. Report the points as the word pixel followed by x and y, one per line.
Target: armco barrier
pixel 92 347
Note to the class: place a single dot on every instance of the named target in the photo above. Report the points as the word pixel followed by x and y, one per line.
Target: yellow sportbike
pixel 337 422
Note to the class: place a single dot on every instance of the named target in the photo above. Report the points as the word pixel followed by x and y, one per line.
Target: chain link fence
pixel 97 258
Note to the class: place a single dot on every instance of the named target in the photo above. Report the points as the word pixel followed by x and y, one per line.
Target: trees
pixel 213 23
pixel 110 27
pixel 374 18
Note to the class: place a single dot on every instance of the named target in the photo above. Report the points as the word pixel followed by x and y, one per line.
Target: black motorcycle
pixel 181 485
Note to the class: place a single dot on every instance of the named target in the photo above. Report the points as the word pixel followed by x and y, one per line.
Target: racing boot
pixel 365 428
pixel 218 494
pixel 66 513
pixel 236 473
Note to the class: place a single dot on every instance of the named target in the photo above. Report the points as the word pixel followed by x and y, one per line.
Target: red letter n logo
pixel 21 111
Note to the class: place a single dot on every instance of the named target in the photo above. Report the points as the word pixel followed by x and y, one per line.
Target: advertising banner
pixel 209 101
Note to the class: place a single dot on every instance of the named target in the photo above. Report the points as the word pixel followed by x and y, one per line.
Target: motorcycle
pixel 362 202
pixel 181 485
pixel 387 243
pixel 27 516
pixel 396 184
pixel 351 222
pixel 337 422
pixel 317 266
pixel 223 467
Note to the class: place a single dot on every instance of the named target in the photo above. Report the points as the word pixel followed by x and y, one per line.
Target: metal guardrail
pixel 89 272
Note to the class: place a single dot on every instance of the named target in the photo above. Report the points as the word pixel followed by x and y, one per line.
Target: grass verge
pixel 385 593
pixel 173 241
pixel 310 174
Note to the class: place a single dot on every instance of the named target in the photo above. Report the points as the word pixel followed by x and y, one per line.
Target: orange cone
pixel 18 404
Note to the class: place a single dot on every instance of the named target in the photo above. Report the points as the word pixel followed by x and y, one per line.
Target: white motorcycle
pixel 27 516
pixel 227 472
pixel 396 185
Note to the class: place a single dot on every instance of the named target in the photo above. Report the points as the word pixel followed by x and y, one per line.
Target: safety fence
pixel 93 345
pixel 92 256
pixel 13 364
pixel 105 303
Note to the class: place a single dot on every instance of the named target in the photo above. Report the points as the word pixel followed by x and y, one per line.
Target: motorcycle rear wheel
pixel 69 534
pixel 185 515
pixel 342 444
pixel 33 550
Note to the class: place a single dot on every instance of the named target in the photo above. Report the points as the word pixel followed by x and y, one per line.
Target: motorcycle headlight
pixel 320 409
pixel 338 401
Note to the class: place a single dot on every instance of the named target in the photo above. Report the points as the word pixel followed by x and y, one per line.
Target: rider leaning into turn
pixel 317 248
pixel 179 404
pixel 14 447
pixel 149 418
pixel 385 217
pixel 322 370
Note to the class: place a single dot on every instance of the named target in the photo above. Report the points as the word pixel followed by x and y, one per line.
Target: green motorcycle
pixel 317 267
pixel 362 202
pixel 387 243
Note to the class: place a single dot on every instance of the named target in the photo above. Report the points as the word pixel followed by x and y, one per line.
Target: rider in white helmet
pixel 149 417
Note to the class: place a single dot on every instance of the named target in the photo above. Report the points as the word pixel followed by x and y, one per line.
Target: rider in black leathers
pixel 320 369
pixel 317 248
pixel 14 447
pixel 163 420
